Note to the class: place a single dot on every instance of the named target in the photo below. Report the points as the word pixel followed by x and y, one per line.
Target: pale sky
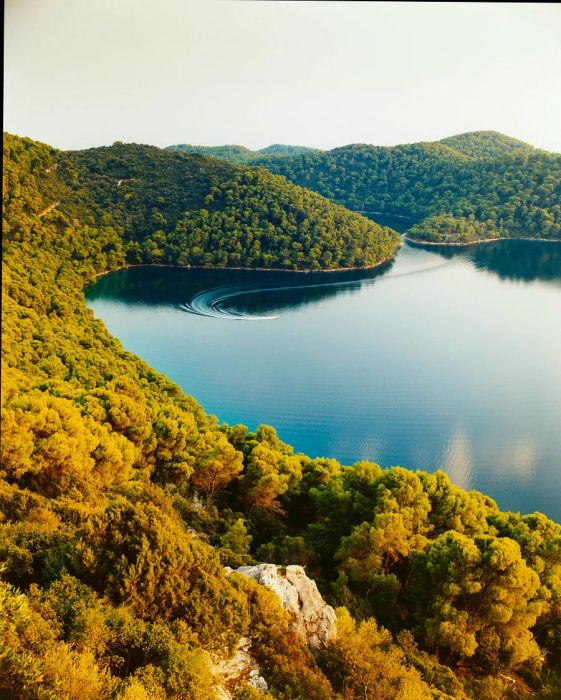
pixel 82 73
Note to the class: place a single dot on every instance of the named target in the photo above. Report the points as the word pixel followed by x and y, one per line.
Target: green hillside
pixel 231 153
pixel 178 208
pixel 280 149
pixel 241 154
pixel 121 500
pixel 486 144
pixel 480 185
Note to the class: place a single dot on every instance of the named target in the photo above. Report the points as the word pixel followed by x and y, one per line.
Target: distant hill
pixel 486 144
pixel 461 189
pixel 231 153
pixel 241 154
pixel 279 149
pixel 187 209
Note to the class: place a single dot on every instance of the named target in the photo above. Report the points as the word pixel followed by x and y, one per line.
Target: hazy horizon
pixel 350 143
pixel 322 74
pixel 265 145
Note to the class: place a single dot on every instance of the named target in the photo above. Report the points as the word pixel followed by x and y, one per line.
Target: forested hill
pixel 486 144
pixel 478 185
pixel 479 144
pixel 121 502
pixel 231 153
pixel 186 209
pixel 241 154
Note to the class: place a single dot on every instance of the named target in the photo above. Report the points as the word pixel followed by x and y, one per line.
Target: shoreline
pixel 404 237
pixel 482 240
pixel 383 213
pixel 251 269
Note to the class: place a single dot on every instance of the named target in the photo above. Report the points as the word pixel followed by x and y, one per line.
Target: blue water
pixel 445 358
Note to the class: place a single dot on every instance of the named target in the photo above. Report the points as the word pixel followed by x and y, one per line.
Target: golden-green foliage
pixel 478 588
pixel 540 544
pixel 235 544
pixel 476 598
pixel 120 499
pixel 271 469
pixel 35 663
pixel 144 559
pixel 365 663
pixel 285 658
pixel 65 642
pixel 88 432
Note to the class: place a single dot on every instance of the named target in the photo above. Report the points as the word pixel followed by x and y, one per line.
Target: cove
pixel 443 358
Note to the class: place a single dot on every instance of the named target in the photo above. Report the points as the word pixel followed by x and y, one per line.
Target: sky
pixel 81 73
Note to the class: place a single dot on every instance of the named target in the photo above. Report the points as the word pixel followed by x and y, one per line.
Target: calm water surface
pixel 446 358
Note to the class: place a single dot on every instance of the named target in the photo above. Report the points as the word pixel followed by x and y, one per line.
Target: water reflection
pixel 519 459
pixel 514 260
pixel 457 460
pixel 371 448
pixel 246 291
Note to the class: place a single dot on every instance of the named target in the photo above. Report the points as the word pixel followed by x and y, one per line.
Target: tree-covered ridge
pixel 241 154
pixel 255 220
pixel 475 144
pixel 231 153
pixel 517 194
pixel 121 501
pixel 185 209
pixel 281 149
pixel 486 144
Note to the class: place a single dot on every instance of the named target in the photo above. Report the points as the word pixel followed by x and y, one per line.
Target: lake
pixel 444 358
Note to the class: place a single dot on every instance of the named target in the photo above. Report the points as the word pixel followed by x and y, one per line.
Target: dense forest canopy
pixel 486 144
pixel 475 186
pixel 122 501
pixel 241 154
pixel 231 153
pixel 178 208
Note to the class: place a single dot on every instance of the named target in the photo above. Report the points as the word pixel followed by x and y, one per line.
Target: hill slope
pixel 486 144
pixel 241 154
pixel 515 195
pixel 231 153
pixel 121 501
pixel 178 208
pixel 473 186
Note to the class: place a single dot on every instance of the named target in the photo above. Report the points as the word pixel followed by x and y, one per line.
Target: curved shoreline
pixel 482 240
pixel 404 237
pixel 251 269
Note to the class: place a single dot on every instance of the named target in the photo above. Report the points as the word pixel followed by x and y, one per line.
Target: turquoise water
pixel 444 358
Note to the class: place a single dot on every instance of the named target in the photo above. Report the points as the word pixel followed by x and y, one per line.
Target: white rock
pixel 314 620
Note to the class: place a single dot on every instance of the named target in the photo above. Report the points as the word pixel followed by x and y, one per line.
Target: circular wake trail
pixel 212 302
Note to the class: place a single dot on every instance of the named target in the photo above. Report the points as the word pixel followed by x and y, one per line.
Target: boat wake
pixel 210 303
pixel 213 302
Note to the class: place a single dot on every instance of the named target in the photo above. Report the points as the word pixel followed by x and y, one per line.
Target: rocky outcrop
pixel 313 619
pixel 241 667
